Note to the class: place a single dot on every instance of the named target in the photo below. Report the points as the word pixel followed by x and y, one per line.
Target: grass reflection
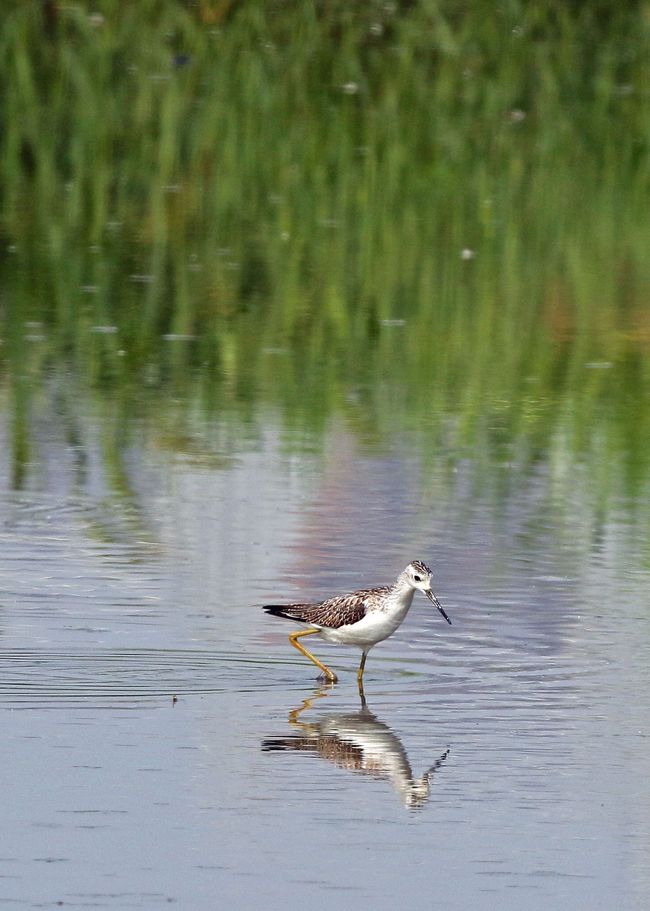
pixel 421 219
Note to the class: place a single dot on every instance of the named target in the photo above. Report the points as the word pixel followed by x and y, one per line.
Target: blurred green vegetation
pixel 428 218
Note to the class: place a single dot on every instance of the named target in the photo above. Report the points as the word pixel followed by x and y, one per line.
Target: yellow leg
pixel 360 671
pixel 293 639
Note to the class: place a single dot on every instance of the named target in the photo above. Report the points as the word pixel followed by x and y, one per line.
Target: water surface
pixel 165 744
pixel 290 295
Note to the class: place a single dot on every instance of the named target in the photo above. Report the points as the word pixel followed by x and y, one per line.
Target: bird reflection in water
pixel 359 742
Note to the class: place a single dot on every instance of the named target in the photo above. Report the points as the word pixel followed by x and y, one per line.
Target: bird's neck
pixel 403 592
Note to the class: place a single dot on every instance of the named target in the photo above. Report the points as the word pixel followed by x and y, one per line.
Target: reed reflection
pixel 359 742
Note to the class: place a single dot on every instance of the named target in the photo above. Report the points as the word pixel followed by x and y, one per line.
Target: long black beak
pixel 432 598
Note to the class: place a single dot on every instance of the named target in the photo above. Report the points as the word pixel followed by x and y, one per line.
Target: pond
pixel 291 295
pixel 163 742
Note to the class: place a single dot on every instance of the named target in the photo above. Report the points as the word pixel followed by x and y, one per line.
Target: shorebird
pixel 362 618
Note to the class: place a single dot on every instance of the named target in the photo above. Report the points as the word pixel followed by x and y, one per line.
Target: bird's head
pixel 418 576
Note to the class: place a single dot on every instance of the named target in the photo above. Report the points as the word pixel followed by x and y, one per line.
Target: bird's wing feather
pixel 333 613
pixel 339 611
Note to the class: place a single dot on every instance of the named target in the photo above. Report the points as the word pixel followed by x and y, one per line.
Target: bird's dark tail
pixel 289 611
pixel 277 610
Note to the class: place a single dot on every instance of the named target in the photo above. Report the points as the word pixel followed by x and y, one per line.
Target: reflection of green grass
pixel 300 181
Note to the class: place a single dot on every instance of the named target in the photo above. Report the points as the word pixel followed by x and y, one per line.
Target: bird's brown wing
pixel 333 613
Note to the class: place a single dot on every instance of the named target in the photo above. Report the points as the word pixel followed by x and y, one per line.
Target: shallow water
pixel 289 296
pixel 163 743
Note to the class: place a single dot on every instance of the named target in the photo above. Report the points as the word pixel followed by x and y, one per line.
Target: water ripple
pixel 38 677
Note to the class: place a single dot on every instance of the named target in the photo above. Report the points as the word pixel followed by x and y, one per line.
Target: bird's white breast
pixel 379 623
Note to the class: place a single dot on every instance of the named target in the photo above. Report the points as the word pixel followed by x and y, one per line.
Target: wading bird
pixel 362 618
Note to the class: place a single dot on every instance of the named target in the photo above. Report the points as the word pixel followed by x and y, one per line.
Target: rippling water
pixel 162 742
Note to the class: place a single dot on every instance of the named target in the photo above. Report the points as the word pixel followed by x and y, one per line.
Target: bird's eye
pixel 418 578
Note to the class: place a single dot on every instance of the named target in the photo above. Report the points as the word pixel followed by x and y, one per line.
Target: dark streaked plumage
pixel 333 613
pixel 419 566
